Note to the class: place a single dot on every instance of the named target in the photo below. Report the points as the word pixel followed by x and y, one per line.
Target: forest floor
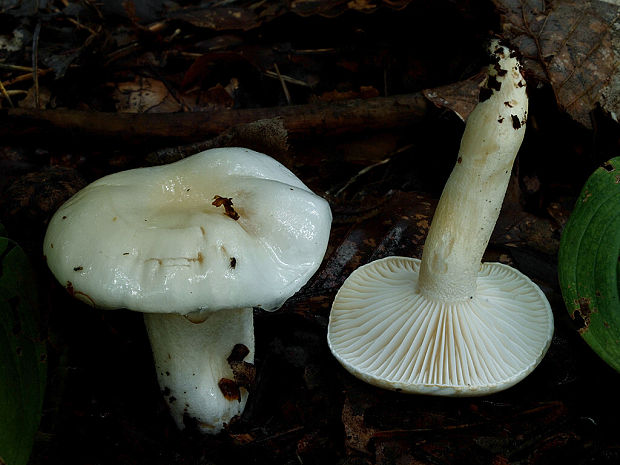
pixel 365 102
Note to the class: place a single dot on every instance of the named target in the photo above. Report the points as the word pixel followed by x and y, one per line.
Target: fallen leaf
pixel 218 18
pixel 572 45
pixel 399 429
pixel 30 200
pixel 29 101
pixel 333 8
pixel 205 65
pixel 144 95
pixel 461 97
pixel 246 15
pixel 357 434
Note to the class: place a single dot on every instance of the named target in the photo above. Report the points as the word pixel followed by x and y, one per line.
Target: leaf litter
pixel 129 68
pixel 572 45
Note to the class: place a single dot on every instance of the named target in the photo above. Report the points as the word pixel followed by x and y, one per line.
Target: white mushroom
pixel 447 325
pixel 195 245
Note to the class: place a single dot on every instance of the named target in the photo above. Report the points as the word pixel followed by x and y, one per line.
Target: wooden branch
pixel 320 118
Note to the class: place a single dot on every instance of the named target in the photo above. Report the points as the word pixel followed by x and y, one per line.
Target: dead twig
pixel 26 77
pixel 10 67
pixel 6 95
pixel 368 168
pixel 35 62
pixel 311 119
pixel 286 78
pixel 283 84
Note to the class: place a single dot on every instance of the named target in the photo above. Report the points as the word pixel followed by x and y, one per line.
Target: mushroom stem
pixel 473 195
pixel 193 363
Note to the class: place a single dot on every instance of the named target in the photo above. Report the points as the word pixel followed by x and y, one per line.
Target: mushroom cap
pixel 152 240
pixel 383 331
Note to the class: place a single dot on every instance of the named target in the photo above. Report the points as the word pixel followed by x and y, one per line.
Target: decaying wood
pixel 319 118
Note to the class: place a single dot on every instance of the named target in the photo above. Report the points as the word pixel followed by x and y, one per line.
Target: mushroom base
pixel 194 363
pixel 387 333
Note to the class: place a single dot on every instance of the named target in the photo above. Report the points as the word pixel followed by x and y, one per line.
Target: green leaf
pixel 588 266
pixel 23 364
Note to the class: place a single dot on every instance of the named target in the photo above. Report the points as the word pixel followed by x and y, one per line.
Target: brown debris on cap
pixel 219 201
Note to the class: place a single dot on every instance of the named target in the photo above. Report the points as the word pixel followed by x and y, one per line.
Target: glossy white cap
pixel 151 240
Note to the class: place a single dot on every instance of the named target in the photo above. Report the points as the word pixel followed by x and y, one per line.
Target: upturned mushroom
pixel 194 245
pixel 447 324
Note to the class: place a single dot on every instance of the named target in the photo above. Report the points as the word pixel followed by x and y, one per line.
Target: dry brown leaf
pixel 460 97
pixel 573 45
pixel 246 15
pixel 29 101
pixel 144 95
pixel 218 18
pixel 357 434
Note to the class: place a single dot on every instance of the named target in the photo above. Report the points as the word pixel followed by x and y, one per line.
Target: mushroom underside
pixel 383 331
